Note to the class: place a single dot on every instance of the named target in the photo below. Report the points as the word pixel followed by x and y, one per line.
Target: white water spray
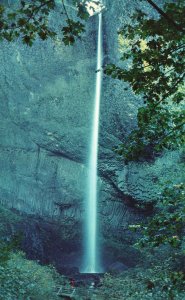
pixel 92 259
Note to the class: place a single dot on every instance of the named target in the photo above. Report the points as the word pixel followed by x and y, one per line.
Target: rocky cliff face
pixel 47 94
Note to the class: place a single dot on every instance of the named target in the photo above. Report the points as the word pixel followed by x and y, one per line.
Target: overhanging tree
pixel 154 54
pixel 29 20
pixel 154 66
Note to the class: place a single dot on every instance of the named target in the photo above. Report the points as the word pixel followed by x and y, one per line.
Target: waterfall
pixel 91 255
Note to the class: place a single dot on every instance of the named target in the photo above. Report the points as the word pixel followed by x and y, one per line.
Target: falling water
pixel 92 259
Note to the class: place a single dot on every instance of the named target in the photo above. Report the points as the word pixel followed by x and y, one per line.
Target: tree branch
pixel 65 11
pixel 162 13
pixel 180 79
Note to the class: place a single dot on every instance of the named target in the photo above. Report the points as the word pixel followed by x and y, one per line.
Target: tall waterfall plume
pixel 92 261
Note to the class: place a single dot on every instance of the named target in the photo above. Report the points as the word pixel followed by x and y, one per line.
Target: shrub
pixel 24 279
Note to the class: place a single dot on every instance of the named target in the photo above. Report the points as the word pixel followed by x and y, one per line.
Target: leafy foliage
pixel 21 278
pixel 24 279
pixel 153 51
pixel 29 20
pixel 156 282
pixel 72 31
pixel 153 55
pixel 164 232
pixel 167 225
